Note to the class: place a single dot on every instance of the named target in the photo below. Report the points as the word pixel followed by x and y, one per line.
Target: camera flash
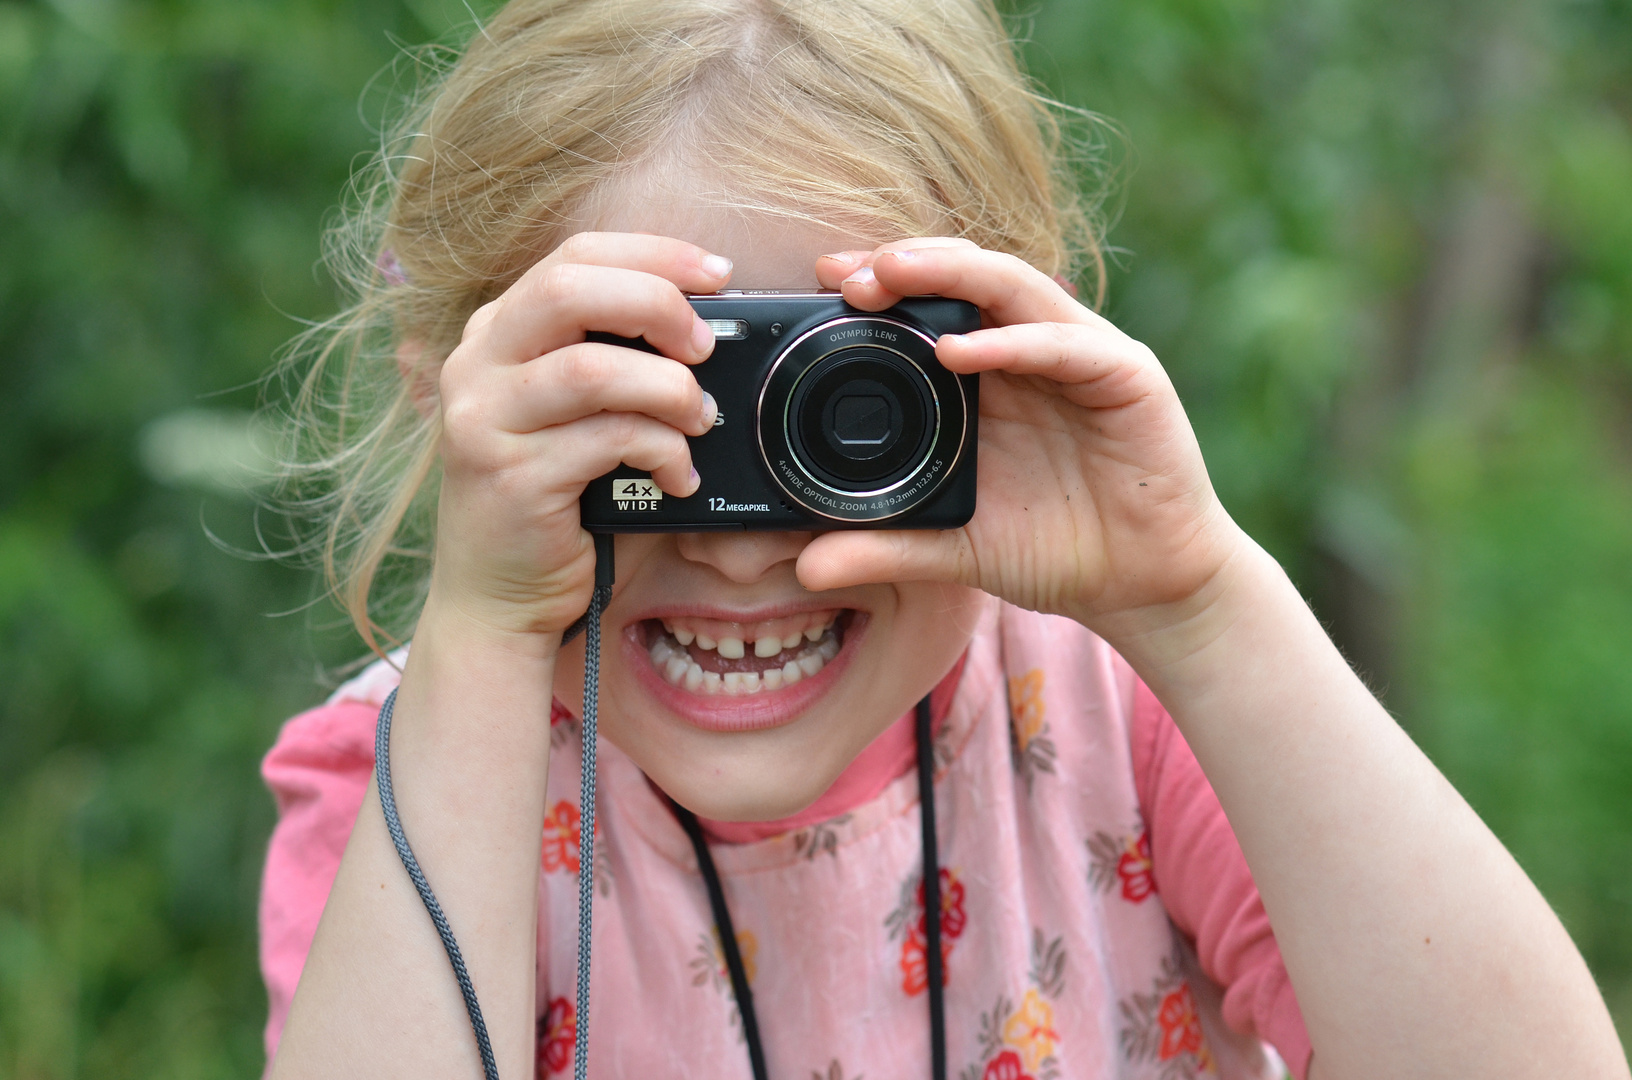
pixel 728 329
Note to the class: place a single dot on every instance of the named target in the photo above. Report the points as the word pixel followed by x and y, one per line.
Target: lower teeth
pixel 679 669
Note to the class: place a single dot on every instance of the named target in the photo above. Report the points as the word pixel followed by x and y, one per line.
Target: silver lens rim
pixel 912 475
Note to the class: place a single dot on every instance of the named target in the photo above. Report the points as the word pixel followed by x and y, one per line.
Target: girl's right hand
pixel 531 412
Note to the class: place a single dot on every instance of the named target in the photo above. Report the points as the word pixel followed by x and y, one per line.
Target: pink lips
pixel 750 712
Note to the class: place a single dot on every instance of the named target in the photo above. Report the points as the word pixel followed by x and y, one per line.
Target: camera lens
pixel 862 418
pixel 857 420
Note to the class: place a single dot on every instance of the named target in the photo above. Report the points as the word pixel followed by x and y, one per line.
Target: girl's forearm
pixel 469 758
pixel 1416 944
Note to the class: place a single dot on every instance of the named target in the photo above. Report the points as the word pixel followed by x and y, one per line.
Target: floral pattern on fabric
pixel 563 725
pixel 909 923
pixel 709 966
pixel 1006 1066
pixel 1164 1026
pixel 1124 862
pixel 561 835
pixel 1047 963
pixel 821 838
pixel 559 853
pixel 1030 1030
pixel 1018 1041
pixel 557 1037
pixel 709 963
pixel 1032 743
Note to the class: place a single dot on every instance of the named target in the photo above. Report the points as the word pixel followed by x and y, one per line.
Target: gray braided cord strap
pixel 586 859
pixel 388 803
pixel 586 823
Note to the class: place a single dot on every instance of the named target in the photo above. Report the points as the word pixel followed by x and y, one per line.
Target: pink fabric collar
pixel 886 757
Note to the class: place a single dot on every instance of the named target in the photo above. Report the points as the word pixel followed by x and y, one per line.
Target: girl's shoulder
pixel 335 738
pixel 373 683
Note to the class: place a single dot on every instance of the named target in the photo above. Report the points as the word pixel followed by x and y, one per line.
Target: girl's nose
pixel 743 557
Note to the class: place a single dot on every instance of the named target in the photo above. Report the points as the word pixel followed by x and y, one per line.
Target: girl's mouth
pixel 709 657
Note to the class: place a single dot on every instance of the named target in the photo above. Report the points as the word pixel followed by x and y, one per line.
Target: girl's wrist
pixel 447 620
pixel 1174 642
pixel 479 693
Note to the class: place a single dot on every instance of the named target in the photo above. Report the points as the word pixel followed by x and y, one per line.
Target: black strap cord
pixel 728 940
pixel 932 913
pixel 932 894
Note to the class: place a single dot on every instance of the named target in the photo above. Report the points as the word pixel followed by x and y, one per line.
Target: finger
pixel 593 377
pixel 860 285
pixel 1006 288
pixel 1103 367
pixel 559 303
pixel 585 449
pixel 862 290
pixel 840 559
pixel 481 317
pixel 831 270
pixel 691 268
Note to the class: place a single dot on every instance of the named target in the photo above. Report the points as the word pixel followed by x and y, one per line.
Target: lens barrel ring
pixel 857 420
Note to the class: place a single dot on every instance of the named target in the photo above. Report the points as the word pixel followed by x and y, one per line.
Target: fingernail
pixel 711 410
pixel 717 266
pixel 904 255
pixel 696 481
pixel 864 276
pixel 702 337
pixel 955 338
pixel 839 256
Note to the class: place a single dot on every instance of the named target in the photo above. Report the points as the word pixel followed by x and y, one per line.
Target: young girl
pixel 1099 636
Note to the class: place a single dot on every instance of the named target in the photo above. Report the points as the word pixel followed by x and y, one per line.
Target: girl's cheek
pixel 932 627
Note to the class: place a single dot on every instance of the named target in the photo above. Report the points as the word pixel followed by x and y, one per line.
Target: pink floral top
pixel 1097 917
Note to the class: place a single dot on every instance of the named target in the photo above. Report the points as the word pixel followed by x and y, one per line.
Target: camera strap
pixel 725 933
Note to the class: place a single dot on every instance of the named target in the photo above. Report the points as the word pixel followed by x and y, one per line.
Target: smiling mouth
pixel 708 657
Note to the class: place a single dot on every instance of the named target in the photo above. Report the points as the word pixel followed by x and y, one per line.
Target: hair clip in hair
pixel 390 268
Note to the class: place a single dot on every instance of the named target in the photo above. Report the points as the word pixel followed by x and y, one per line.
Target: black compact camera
pixel 830 417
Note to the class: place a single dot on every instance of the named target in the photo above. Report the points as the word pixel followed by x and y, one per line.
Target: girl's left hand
pixel 1093 500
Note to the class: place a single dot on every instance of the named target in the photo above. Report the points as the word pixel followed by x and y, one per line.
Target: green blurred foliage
pixel 1385 249
pixel 1384 246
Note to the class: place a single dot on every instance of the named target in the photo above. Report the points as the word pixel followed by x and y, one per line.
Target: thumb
pixel 837 560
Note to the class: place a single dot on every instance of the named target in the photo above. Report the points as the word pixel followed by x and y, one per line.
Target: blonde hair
pixel 890 118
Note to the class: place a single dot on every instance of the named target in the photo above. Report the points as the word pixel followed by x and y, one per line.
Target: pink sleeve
pixel 319 771
pixel 1206 886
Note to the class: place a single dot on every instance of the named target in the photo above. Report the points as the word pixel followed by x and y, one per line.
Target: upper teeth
pixel 680 669
pixel 735 648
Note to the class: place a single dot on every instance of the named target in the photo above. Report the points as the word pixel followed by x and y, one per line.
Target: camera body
pixel 830 417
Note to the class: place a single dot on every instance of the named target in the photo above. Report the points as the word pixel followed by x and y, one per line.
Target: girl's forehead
pixel 770 248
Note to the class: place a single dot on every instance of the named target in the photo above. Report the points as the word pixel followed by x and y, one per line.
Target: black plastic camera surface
pixel 829 418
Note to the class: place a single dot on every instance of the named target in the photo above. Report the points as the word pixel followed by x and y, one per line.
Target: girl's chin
pixel 747 702
pixel 756 799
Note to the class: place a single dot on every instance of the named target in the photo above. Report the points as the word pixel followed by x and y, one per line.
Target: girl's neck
pixel 887 757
